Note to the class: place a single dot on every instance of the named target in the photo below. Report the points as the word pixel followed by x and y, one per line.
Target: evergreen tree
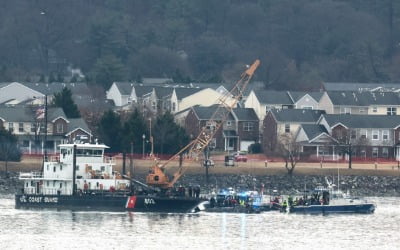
pixel 64 100
pixel 110 131
pixel 169 137
pixel 133 130
pixel 9 150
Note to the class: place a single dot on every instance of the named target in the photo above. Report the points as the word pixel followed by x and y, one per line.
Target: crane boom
pixel 227 102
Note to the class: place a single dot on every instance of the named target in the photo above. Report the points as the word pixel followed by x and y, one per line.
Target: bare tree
pixel 289 150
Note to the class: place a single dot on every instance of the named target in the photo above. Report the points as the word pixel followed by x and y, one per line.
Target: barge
pixel 81 177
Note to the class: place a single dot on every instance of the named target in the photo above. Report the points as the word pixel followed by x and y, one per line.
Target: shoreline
pixel 362 180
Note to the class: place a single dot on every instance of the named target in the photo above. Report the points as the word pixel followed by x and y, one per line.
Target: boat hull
pixel 137 203
pixel 366 208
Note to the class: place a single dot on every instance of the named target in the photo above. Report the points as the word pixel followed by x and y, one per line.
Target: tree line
pixel 131 132
pixel 300 43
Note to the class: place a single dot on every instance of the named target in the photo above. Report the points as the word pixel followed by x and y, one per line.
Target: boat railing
pixel 47 191
pixel 31 175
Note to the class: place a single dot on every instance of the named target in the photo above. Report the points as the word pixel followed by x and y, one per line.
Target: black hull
pixel 366 208
pixel 137 203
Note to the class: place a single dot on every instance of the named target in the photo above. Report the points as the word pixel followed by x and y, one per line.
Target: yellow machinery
pixel 157 176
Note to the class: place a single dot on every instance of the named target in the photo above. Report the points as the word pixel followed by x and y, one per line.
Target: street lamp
pixel 143 137
pixel 151 140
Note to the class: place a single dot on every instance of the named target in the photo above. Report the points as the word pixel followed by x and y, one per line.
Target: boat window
pixel 79 152
pixel 97 152
pixel 63 152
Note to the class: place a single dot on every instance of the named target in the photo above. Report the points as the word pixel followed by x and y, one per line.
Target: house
pixel 370 136
pixel 238 131
pixel 15 93
pixel 28 124
pixel 279 123
pixel 305 100
pixel 263 100
pixel 360 103
pixel 316 142
pixel 120 93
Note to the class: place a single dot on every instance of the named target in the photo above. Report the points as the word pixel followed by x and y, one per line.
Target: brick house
pixel 28 124
pixel 239 130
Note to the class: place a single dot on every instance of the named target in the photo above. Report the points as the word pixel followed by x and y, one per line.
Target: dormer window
pixel 391 111
pixel 60 128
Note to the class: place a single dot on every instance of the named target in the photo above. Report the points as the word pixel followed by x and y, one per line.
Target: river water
pixel 50 229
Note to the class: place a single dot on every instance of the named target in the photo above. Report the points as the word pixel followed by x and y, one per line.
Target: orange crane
pixel 157 176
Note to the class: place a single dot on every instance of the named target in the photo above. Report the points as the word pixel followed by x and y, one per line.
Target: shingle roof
pixel 351 86
pixel 52 88
pixel 245 114
pixel 77 123
pixel 125 88
pixel 142 90
pixel 296 95
pixel 297 115
pixel 273 97
pixel 185 92
pixel 147 80
pixel 364 121
pixel 163 92
pixel 27 114
pixel 354 98
pixel 313 130
pixel 205 113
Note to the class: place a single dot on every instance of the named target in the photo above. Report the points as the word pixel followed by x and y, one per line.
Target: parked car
pixel 229 160
pixel 209 163
pixel 240 156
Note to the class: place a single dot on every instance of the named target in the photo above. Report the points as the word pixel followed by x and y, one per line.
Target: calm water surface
pixel 49 229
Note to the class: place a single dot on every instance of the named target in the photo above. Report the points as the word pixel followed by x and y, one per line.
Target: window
pixel 25 143
pixel 391 111
pixel 362 110
pixel 363 133
pixel 287 128
pixel 153 105
pixel 33 127
pixel 60 167
pixel 385 135
pixel 375 152
pixel 385 152
pixel 375 135
pixel 173 106
pixel 353 134
pixel 213 143
pixel 21 127
pixel 60 128
pixel 248 126
pixel 306 107
pixel 210 126
pixel 11 127
pixel 345 110
pixel 228 123
pixel 374 109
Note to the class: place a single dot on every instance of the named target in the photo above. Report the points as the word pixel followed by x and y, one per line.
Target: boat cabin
pixel 93 172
